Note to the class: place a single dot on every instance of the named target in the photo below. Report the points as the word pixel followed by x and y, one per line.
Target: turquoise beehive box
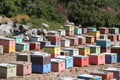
pixel 22 47
pixel 18 39
pixel 78 31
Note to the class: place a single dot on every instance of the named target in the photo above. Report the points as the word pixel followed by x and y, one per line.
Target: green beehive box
pixel 94 49
pixel 78 31
pixel 22 47
pixel 7 70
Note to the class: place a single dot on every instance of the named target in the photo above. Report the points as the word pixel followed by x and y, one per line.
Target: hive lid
pixel 80 56
pixel 112 69
pixel 57 60
pixel 42 54
pixel 90 76
pixel 6 65
pixel 23 43
pixel 63 57
pixel 101 72
pixel 51 46
pixel 36 36
pixel 69 79
pixel 24 54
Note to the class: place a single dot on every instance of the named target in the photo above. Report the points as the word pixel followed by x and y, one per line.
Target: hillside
pixel 54 12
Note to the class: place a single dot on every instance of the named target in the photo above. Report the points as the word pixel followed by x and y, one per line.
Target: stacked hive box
pixel 72 51
pixel 81 60
pixel 78 31
pixel 40 62
pixel 57 65
pixel 115 71
pixel 104 75
pixel 34 46
pixel 110 58
pixel 68 61
pixel 23 57
pixel 81 40
pixel 96 34
pixel 103 36
pixel 94 49
pixel 114 30
pixel 44 43
pixel 53 50
pixel 118 37
pixel 84 30
pixel 90 29
pixel 23 68
pixel 112 37
pixel 90 39
pixel 69 30
pixel 84 51
pixel 7 70
pixel 97 59
pixel 89 77
pixel 8 44
pixel 103 30
pixel 73 41
pixel 65 53
pixel 1 49
pixel 65 42
pixel 54 39
pixel 61 32
pixel 105 45
pixel 36 38
pixel 22 47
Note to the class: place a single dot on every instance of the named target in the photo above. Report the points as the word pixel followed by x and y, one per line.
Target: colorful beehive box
pixel 40 58
pixel 37 68
pixel 44 43
pixel 73 51
pixel 53 50
pixel 94 33
pixel 103 74
pixel 84 51
pixel 103 43
pixel 97 59
pixel 89 29
pixel 112 37
pixel 34 46
pixel 61 32
pixel 118 37
pixel 69 27
pixel 114 30
pixel 80 60
pixel 78 31
pixel 103 30
pixel 84 30
pixel 94 49
pixel 57 65
pixel 68 61
pixel 89 77
pixel 18 39
pixel 22 47
pixel 118 57
pixel 36 38
pixel 8 44
pixel 65 53
pixel 104 36
pixel 73 41
pixel 105 49
pixel 7 70
pixel 24 57
pixel 1 49
pixel 23 68
pixel 115 71
pixel 90 39
pixel 115 49
pixel 110 58
pixel 81 40
pixel 65 42
pixel 69 33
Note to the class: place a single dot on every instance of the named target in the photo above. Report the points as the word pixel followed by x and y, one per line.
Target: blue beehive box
pixel 22 46
pixel 89 29
pixel 78 31
pixel 89 77
pixel 110 58
pixel 68 61
pixel 44 43
pixel 103 43
pixel 118 57
pixel 73 51
pixel 37 68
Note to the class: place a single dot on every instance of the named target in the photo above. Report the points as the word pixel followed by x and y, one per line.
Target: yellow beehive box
pixel 69 27
pixel 52 49
pixel 94 33
pixel 9 49
pixel 84 51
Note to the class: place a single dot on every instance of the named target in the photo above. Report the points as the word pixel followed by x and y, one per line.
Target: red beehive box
pixel 81 40
pixel 97 59
pixel 69 33
pixel 35 46
pixel 53 38
pixel 57 65
pixel 105 49
pixel 112 37
pixel 104 75
pixel 90 39
pixel 118 37
pixel 23 68
pixel 115 49
pixel 73 41
pixel 103 30
pixel 84 30
pixel 81 61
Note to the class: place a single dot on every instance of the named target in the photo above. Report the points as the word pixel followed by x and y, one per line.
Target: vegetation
pixel 93 13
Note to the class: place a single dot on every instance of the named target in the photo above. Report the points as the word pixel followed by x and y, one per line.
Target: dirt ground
pixel 72 72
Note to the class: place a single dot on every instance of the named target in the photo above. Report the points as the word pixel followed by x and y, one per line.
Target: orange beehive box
pixel 84 51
